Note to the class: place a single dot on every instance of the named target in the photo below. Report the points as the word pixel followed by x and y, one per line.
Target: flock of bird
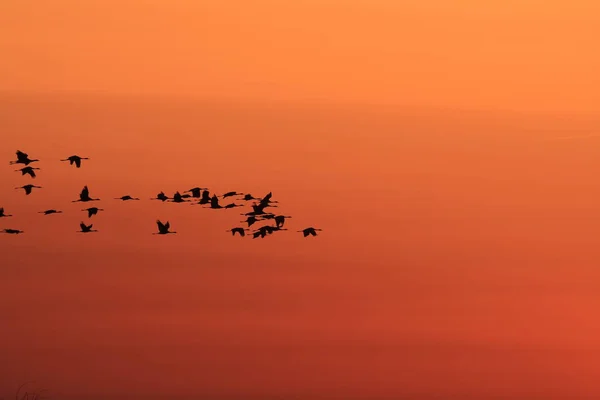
pixel 196 195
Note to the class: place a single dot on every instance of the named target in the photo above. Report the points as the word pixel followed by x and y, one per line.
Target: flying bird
pixel 161 196
pixel 280 220
pixel 51 211
pixel 23 158
pixel 177 198
pixel 86 228
pixel 84 196
pixel 28 188
pixel 232 205
pixel 2 214
pixel 310 231
pixel 205 199
pixel 229 194
pixel 126 197
pixel 163 229
pixel 92 211
pixel 249 197
pixel 76 160
pixel 214 202
pixel 250 221
pixel 12 231
pixel 239 230
pixel 27 171
pixel 195 191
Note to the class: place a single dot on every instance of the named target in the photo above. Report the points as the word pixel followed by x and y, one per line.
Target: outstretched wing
pixel 84 192
pixel 21 155
pixel 77 162
pixel 161 226
pixel 82 226
pixel 167 225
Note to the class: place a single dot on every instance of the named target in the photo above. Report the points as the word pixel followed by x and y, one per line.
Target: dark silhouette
pixel 310 231
pixel 250 221
pixel 233 205
pixel 177 198
pixel 214 202
pixel 12 231
pixel 92 211
pixel 27 171
pixel 161 196
pixel 84 196
pixel 280 220
pixel 249 197
pixel 205 197
pixel 51 211
pixel 163 229
pixel 240 231
pixel 126 197
pixel 23 158
pixel 28 188
pixel 76 160
pixel 86 228
pixel 229 194
pixel 195 191
pixel 2 214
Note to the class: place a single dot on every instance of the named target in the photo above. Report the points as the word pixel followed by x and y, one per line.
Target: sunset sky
pixel 448 150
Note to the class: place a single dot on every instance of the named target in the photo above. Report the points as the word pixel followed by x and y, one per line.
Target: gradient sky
pixel 459 253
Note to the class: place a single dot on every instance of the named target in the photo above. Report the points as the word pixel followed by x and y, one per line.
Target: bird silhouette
pixel 214 202
pixel 310 231
pixel 205 199
pixel 2 214
pixel 177 198
pixel 84 196
pixel 266 201
pixel 161 196
pixel 232 205
pixel 163 229
pixel 27 171
pixel 12 231
pixel 76 160
pixel 86 228
pixel 28 188
pixel 280 220
pixel 249 197
pixel 239 230
pixel 250 221
pixel 23 158
pixel 51 211
pixel 126 197
pixel 195 191
pixel 268 229
pixel 229 194
pixel 92 211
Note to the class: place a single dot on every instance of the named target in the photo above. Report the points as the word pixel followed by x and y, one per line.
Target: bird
pixel 126 197
pixel 2 214
pixel 260 234
pixel 177 198
pixel 266 201
pixel 23 158
pixel 28 188
pixel 163 229
pixel 161 196
pixel 249 197
pixel 205 199
pixel 84 196
pixel 214 202
pixel 51 211
pixel 310 231
pixel 76 160
pixel 239 230
pixel 92 211
pixel 229 194
pixel 250 221
pixel 86 228
pixel 195 191
pixel 12 231
pixel 270 229
pixel 232 205
pixel 280 220
pixel 27 171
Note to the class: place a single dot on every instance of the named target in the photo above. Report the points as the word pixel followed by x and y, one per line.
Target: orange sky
pixel 459 253
pixel 526 54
